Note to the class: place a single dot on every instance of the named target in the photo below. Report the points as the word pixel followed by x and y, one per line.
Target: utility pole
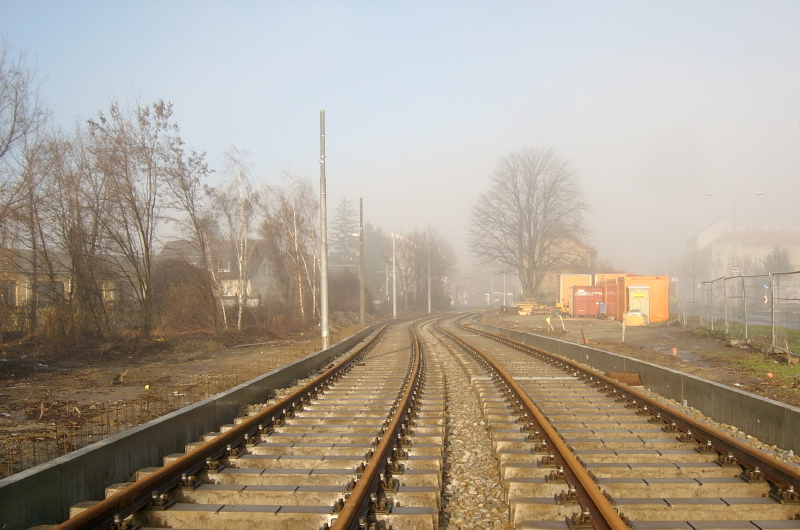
pixel 362 288
pixel 323 223
pixel 394 281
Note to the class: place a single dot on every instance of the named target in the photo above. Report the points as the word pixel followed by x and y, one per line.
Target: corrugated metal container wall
pixel 614 297
pixel 585 301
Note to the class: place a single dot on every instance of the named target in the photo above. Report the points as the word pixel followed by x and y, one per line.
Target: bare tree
pixel 237 204
pixel 405 266
pixel 441 265
pixel 31 165
pixel 21 112
pixel 531 218
pixel 52 239
pixel 134 151
pixel 290 235
pixel 21 115
pixel 189 195
pixel 424 261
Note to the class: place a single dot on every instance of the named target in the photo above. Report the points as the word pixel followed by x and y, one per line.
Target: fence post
pixel 772 310
pixel 725 305
pixel 744 307
pixel 711 305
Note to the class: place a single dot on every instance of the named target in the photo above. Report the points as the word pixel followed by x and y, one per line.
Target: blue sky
pixel 653 103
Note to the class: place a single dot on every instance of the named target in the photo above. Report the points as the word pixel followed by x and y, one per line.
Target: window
pixel 8 293
pixel 47 292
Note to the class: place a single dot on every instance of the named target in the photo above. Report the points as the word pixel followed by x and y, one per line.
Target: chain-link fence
pixel 762 309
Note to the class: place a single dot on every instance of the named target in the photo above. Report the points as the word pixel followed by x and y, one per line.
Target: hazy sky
pixel 653 103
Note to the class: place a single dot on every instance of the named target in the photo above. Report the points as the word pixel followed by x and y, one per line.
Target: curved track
pixel 323 456
pixel 363 446
pixel 577 446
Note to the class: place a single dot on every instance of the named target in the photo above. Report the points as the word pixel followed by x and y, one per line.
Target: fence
pixel 763 309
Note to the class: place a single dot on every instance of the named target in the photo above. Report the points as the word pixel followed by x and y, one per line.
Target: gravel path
pixel 473 496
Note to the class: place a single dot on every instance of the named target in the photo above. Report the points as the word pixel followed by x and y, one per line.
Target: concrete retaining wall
pixel 771 422
pixel 44 494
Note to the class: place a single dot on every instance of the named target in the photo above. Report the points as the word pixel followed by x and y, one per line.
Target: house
pixel 18 287
pixel 260 282
pixel 719 252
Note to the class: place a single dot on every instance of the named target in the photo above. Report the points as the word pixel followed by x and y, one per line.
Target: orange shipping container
pixel 616 294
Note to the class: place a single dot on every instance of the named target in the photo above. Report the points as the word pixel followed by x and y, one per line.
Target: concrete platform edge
pixel 770 421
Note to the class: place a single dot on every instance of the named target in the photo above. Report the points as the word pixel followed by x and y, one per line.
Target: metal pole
pixel 362 290
pixel 323 222
pixel 735 257
pixel 429 278
pixel 713 307
pixel 504 286
pixel 394 281
pixel 772 310
pixel 725 303
pixel 744 306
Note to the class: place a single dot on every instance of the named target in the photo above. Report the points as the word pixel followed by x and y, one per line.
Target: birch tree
pixel 238 203
pixel 289 233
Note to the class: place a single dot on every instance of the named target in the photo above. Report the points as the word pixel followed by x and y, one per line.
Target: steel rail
pixel 778 473
pixel 357 504
pixel 139 494
pixel 603 514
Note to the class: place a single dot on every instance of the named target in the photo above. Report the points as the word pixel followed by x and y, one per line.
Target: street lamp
pixel 394 281
pixel 734 196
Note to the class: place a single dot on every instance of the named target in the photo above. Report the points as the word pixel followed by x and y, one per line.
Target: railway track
pixel 365 445
pixel 575 446
pixel 324 456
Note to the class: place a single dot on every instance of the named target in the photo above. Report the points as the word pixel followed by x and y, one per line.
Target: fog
pixel 654 104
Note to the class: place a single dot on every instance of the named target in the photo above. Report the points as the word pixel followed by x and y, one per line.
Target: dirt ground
pixel 696 352
pixel 37 389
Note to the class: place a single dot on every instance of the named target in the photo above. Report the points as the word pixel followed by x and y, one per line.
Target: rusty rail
pixel 755 463
pixel 358 505
pixel 181 471
pixel 593 503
